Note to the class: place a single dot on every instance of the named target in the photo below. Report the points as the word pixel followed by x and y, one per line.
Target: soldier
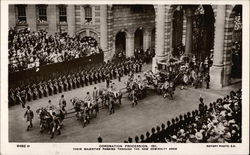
pixel 12 98
pixel 206 65
pixel 29 116
pixel 23 96
pixel 51 89
pixel 107 81
pixel 60 87
pixel 134 98
pixel 29 93
pixel 86 79
pixel 103 74
pixel 95 94
pixel 55 85
pixel 82 79
pixel 96 77
pixel 62 103
pixel 74 82
pixel 78 81
pixel 92 75
pixel 99 75
pixel 111 106
pixel 207 80
pixel 70 82
pixel 35 93
pixel 65 84
pixel 87 97
pixel 55 125
pixel 45 89
pixel 119 74
pixel 40 90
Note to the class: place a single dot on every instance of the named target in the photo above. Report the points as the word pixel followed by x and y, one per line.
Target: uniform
pixel 29 116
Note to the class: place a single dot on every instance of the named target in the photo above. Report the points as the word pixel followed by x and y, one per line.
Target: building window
pixel 42 14
pixel 62 14
pixel 21 14
pixel 88 14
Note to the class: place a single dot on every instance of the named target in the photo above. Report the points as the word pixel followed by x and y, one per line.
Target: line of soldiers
pixel 107 71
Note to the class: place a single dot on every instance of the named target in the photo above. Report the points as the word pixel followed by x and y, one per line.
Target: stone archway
pixel 120 43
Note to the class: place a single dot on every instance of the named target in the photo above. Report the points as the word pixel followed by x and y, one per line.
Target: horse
pixel 45 120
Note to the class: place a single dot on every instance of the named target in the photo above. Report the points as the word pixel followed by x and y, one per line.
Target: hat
pixel 174 137
pixel 231 121
pixel 198 136
pixel 227 136
pixel 192 138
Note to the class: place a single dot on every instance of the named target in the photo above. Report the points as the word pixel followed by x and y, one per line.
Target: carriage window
pixel 88 14
pixel 62 14
pixel 42 13
pixel 21 13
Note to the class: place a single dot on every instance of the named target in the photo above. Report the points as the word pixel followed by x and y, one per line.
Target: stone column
pixel 71 19
pixel 159 40
pixel 104 28
pixel 189 31
pixel 216 72
pixel 146 40
pixel 130 45
pixel 51 15
pixel 31 17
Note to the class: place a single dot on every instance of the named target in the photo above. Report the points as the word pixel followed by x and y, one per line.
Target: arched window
pixel 88 13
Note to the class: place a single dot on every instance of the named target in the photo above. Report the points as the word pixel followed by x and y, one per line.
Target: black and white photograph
pixel 110 73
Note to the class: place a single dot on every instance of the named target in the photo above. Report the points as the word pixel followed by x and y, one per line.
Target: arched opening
pixel 138 41
pixel 120 44
pixel 203 31
pixel 236 55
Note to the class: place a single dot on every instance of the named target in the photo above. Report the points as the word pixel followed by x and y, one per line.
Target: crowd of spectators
pixel 32 49
pixel 217 122
pixel 64 81
pixel 139 54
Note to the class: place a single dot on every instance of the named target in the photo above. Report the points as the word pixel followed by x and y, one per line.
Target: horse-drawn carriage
pixel 85 110
pixel 51 118
pixel 110 98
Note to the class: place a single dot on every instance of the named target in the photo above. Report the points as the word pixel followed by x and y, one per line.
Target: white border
pixel 67 148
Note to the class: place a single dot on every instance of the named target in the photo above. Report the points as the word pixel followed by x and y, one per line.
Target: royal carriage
pixel 85 110
pixel 46 117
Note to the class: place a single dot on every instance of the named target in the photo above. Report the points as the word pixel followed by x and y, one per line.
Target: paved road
pixel 127 121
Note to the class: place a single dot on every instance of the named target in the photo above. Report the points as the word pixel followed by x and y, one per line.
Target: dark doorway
pixel 120 42
pixel 139 38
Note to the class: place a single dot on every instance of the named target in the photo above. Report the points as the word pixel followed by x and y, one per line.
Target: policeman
pixel 29 116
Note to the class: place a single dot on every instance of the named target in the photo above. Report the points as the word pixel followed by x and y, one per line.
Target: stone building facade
pixel 158 26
